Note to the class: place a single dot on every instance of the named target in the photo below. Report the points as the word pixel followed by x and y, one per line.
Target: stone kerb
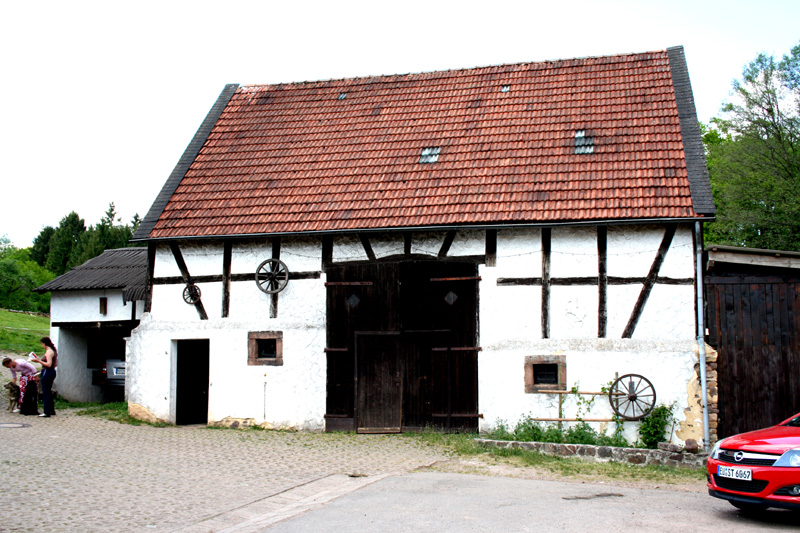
pixel 588 452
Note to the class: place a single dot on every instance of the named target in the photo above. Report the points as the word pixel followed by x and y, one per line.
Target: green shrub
pixel 653 427
pixel 530 430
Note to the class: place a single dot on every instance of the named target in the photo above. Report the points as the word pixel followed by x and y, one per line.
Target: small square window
pixel 265 348
pixel 505 88
pixel 545 372
pixel 104 306
pixel 341 96
pixel 430 154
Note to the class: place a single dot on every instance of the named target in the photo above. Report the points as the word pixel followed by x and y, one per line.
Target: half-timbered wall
pixel 616 299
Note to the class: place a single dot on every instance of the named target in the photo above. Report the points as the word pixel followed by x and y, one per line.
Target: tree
pixel 19 275
pixel 107 234
pixel 753 155
pixel 64 239
pixel 41 245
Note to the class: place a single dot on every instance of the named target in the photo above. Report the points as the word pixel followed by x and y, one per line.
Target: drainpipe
pixel 701 341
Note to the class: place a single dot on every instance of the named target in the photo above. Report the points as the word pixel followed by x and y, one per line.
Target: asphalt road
pixel 462 503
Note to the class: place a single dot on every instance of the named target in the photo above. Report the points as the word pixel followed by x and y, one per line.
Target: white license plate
pixel 119 371
pixel 745 474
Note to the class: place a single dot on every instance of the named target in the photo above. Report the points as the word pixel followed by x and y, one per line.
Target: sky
pixel 99 99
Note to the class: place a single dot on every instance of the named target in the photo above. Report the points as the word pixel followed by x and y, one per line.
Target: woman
pixel 27 371
pixel 48 374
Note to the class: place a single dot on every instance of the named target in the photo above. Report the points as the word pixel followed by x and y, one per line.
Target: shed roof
pixel 121 268
pixel 347 155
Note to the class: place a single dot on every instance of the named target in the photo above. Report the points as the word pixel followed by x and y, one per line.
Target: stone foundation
pixel 142 413
pixel 636 456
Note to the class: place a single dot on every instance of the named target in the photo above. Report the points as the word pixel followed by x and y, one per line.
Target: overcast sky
pixel 99 99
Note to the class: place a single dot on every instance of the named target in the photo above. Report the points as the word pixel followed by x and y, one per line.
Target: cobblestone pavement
pixel 79 473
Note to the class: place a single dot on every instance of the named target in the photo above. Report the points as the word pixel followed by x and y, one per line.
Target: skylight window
pixel 341 96
pixel 505 88
pixel 430 154
pixel 584 144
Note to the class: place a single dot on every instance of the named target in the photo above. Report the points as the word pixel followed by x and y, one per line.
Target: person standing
pixel 48 376
pixel 26 373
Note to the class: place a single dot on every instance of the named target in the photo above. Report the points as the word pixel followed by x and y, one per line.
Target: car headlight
pixel 716 449
pixel 789 458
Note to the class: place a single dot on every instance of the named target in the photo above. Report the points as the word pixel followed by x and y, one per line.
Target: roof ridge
pixel 244 87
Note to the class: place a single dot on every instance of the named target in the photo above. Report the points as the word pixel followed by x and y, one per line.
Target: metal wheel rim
pixel 632 396
pixel 272 276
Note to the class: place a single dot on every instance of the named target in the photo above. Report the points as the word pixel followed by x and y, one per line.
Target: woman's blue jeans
pixel 48 377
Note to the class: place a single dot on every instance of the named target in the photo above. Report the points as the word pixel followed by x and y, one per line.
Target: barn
pixel 446 249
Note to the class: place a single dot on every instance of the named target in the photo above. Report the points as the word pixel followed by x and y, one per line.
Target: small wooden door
pixel 191 387
pixel 379 382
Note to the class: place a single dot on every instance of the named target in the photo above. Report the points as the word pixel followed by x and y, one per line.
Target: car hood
pixel 776 439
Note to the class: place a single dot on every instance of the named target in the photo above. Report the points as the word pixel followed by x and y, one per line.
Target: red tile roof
pixel 344 155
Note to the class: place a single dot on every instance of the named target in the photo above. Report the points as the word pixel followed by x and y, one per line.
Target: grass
pixel 20 332
pixel 116 411
pixel 464 445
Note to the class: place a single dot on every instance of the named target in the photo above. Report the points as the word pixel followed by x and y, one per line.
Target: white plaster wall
pixel 591 364
pixel 662 347
pixel 292 395
pixel 84 306
pixel 509 316
pixel 519 252
pixel 73 379
pixel 573 252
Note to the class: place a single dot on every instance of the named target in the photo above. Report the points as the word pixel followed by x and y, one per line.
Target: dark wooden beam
pixel 669 233
pixel 602 281
pixel 491 247
pixel 273 300
pixel 187 278
pixel 367 246
pixel 227 252
pixel 151 264
pixel 216 278
pixel 407 237
pixel 546 244
pixel 448 242
pixel 327 251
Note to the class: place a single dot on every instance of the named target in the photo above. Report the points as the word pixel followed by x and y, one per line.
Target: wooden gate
pixel 754 323
pixel 401 346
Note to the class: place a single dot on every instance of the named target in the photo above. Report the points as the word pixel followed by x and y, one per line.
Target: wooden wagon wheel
pixel 191 294
pixel 632 396
pixel 272 276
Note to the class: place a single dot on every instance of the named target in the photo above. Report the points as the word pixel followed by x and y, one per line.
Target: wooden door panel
pixel 379 375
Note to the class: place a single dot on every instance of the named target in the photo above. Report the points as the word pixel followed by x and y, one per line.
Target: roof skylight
pixel 341 96
pixel 583 143
pixel 430 154
pixel 505 88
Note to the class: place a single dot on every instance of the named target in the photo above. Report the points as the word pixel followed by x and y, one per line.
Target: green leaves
pixel 753 155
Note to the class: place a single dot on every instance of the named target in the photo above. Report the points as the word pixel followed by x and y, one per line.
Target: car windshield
pixel 794 422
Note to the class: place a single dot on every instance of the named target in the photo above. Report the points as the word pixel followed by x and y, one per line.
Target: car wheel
pixel 749 508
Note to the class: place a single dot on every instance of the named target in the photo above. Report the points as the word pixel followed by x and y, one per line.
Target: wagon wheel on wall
pixel 632 396
pixel 191 294
pixel 272 276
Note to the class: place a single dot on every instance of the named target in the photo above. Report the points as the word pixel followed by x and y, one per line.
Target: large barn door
pixel 754 323
pixel 401 346
pixel 379 382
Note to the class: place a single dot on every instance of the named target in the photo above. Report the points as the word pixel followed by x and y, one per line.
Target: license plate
pixel 744 474
pixel 119 371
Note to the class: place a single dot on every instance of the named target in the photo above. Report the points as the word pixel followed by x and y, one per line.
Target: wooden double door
pixel 402 346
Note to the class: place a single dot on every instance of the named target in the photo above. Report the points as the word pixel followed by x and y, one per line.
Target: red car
pixel 758 469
